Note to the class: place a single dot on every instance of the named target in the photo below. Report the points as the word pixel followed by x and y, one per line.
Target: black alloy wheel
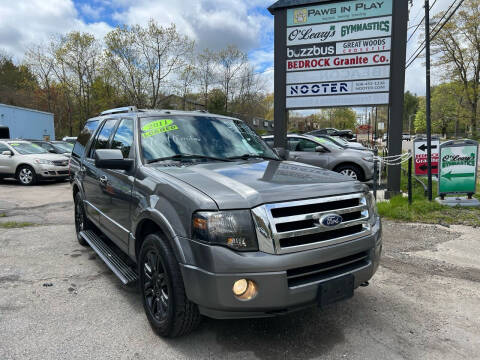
pixel 155 285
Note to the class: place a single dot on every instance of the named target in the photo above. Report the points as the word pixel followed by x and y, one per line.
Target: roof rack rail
pixel 119 110
pixel 202 111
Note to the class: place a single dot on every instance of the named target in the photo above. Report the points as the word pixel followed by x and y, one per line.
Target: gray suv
pixel 356 163
pixel 199 211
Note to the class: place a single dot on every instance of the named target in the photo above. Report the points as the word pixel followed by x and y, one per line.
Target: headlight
pixel 43 161
pixel 372 208
pixel 233 229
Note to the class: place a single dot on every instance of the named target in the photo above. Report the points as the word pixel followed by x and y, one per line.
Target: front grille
pixel 318 272
pixel 297 225
pixel 60 162
pixel 62 172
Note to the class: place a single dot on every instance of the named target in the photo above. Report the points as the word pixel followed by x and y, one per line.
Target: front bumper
pixel 51 171
pixel 211 287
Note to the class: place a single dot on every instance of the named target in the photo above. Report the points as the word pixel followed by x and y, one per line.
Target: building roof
pixel 26 109
pixel 280 4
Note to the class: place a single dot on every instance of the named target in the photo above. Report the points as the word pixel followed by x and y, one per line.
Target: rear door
pixel 304 151
pixel 119 183
pixel 6 161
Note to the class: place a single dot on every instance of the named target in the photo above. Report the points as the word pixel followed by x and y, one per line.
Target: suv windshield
pixel 328 143
pixel 25 148
pixel 163 137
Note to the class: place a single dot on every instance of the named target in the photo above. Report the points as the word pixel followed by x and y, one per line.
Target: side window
pixel 293 143
pixel 47 146
pixel 123 138
pixel 84 137
pixel 269 142
pixel 3 148
pixel 306 145
pixel 101 141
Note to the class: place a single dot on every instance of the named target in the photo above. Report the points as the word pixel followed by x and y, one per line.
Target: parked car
pixel 308 149
pixel 406 137
pixel 347 134
pixel 29 163
pixel 337 140
pixel 70 139
pixel 210 221
pixel 55 147
pixel 385 138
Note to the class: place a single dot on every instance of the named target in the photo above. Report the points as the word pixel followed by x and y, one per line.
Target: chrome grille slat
pixel 316 229
pixel 287 227
pixel 312 216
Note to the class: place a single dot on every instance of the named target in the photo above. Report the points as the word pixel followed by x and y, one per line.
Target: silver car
pixel 29 163
pixel 308 149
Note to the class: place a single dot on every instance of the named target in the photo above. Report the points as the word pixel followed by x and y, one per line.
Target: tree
pixel 410 107
pixel 231 62
pixel 420 122
pixel 206 67
pixel 457 47
pixel 142 58
pixel 187 76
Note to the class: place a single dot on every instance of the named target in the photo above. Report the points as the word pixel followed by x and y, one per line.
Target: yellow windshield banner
pixel 158 127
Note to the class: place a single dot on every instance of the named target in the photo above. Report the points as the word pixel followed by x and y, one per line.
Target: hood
pixel 46 156
pixel 246 184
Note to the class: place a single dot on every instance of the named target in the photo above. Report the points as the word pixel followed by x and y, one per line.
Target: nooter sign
pixel 338 54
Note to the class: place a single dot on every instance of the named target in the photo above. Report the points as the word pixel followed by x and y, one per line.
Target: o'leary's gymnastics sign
pixel 333 42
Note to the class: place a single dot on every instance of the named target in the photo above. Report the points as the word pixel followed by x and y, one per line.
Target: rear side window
pixel 3 148
pixel 123 138
pixel 84 137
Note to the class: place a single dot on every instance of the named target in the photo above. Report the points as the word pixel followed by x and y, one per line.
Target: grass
pixel 423 211
pixel 15 224
pixel 2 215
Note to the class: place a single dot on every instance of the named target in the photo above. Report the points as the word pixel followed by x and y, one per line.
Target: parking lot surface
pixel 59 301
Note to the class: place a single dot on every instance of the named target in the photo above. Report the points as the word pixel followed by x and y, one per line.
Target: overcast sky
pixel 211 23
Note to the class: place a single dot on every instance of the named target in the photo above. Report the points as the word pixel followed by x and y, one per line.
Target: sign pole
pixel 397 77
pixel 427 98
pixel 280 114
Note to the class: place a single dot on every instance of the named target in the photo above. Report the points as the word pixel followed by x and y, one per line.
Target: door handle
pixel 103 179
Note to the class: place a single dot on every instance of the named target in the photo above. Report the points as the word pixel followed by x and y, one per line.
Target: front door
pixel 94 184
pixel 116 219
pixel 6 161
pixel 305 151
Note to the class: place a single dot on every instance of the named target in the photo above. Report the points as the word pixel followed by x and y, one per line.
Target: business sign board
pixel 420 156
pixel 458 167
pixel 338 54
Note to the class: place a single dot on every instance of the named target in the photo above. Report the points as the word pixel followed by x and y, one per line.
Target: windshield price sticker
pixel 421 159
pixel 158 127
pixel 458 167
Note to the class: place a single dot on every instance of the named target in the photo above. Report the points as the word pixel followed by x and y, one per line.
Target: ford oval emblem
pixel 331 220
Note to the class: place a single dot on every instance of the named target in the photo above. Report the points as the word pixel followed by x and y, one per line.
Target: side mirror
pixel 7 153
pixel 282 153
pixel 320 149
pixel 112 159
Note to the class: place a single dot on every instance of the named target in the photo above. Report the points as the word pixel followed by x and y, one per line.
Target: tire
pixel 166 305
pixel 351 170
pixel 26 175
pixel 81 221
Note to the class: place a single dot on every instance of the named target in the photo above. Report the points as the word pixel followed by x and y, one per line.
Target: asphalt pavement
pixel 59 301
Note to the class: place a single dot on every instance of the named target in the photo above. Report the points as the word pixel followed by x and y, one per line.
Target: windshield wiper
pixel 251 156
pixel 185 157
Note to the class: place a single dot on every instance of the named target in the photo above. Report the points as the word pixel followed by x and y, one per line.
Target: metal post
pixel 375 172
pixel 409 179
pixel 427 99
pixel 280 79
pixel 397 79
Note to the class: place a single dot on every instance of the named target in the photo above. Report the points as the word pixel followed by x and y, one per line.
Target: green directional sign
pixel 458 167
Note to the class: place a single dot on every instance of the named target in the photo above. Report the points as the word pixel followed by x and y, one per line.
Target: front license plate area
pixel 336 290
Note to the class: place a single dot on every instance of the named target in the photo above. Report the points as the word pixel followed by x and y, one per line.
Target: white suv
pixel 29 162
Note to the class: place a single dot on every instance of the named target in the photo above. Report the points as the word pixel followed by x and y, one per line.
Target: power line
pixel 422 46
pixel 420 23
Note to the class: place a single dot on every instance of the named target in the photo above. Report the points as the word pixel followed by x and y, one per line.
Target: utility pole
pixel 427 98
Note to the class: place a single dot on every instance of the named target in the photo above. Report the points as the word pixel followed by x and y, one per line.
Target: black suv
pixel 207 219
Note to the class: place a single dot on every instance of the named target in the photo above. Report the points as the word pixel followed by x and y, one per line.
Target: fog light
pixel 244 289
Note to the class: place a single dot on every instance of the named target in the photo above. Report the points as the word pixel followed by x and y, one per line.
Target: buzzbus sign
pixel 458 167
